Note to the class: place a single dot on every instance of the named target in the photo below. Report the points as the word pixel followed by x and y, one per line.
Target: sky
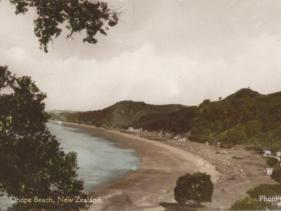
pixel 161 52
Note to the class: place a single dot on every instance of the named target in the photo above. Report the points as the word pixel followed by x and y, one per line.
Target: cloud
pixel 147 75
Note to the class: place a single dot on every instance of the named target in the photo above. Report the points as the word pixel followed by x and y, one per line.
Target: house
pixel 161 134
pixel 267 153
pixel 176 137
pixel 182 139
pixel 269 171
pixel 131 129
pixel 168 135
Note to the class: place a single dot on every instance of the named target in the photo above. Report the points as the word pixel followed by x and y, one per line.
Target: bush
pixel 272 162
pixel 249 204
pixel 276 175
pixel 265 190
pixel 197 187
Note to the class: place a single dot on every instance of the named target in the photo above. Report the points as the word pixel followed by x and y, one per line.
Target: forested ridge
pixel 243 117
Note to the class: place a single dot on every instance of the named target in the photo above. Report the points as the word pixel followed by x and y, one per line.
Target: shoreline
pixel 160 166
pixel 233 171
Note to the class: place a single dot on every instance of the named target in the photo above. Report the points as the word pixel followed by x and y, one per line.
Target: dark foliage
pixel 32 164
pixel 276 175
pixel 254 200
pixel 267 190
pixel 249 203
pixel 77 15
pixel 197 187
pixel 272 162
pixel 245 117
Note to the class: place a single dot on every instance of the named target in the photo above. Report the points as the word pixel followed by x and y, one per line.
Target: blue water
pixel 99 160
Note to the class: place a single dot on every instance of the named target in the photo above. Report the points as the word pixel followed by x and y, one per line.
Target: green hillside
pixel 120 115
pixel 243 117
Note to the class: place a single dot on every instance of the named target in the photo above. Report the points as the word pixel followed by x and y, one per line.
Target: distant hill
pixel 243 117
pixel 120 115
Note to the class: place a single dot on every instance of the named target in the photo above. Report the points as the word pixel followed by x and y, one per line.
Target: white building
pixel 131 129
pixel 176 137
pixel 182 139
pixel 267 153
pixel 161 134
pixel 269 171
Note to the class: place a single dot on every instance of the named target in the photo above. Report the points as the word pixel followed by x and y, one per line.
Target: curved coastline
pixel 153 182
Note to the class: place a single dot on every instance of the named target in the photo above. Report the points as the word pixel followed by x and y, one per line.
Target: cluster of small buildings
pixel 160 134
pixel 133 130
pixel 180 138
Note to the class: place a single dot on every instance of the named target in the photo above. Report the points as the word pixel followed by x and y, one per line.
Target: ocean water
pixel 100 161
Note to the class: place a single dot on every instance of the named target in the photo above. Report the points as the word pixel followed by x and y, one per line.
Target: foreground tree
pixel 77 15
pixel 196 187
pixel 31 160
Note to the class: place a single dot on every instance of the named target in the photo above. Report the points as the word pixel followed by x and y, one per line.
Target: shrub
pixel 265 190
pixel 272 162
pixel 249 204
pixel 197 187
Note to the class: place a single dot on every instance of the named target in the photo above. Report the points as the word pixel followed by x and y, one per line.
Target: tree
pixel 253 127
pixel 197 187
pixel 31 160
pixel 77 15
pixel 232 136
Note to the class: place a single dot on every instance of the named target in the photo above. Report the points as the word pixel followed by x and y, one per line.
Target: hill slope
pixel 243 117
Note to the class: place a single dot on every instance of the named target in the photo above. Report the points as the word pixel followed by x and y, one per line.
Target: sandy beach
pixel 233 172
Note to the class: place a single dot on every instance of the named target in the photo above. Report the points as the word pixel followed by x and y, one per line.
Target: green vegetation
pixel 197 187
pixel 245 117
pixel 32 163
pixel 276 175
pixel 256 200
pixel 249 203
pixel 267 190
pixel 77 16
pixel 137 114
pixel 272 162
